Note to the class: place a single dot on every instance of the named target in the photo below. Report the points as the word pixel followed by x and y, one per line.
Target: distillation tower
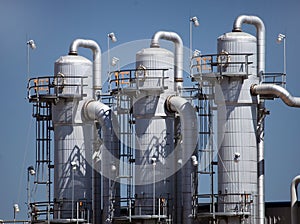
pixel 137 153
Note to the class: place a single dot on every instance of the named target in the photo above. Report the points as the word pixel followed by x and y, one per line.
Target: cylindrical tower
pixel 237 123
pixel 73 138
pixel 154 129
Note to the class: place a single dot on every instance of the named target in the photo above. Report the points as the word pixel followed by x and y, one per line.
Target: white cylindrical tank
pixel 73 138
pixel 237 123
pixel 154 129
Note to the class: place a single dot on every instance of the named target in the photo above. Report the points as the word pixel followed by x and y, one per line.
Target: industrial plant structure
pixel 136 152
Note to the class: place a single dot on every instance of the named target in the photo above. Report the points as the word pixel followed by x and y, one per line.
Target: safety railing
pixel 41 210
pixel 219 64
pixel 235 202
pixel 54 87
pixel 274 78
pixel 228 204
pixel 138 79
pixel 78 209
pixel 139 207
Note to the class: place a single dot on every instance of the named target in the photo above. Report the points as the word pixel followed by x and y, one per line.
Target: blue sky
pixel 54 24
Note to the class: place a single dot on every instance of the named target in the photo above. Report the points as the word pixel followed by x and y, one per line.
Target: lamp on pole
pixel 30 45
pixel 281 38
pixel 193 21
pixel 16 210
pixel 115 61
pixel 110 37
pixel 154 164
pixel 30 172
pixel 73 169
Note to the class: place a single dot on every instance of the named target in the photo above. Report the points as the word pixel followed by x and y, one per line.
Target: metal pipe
pixel 294 198
pixel 73 50
pixel 95 110
pixel 189 130
pixel 261 39
pixel 260 36
pixel 178 59
pixel 273 89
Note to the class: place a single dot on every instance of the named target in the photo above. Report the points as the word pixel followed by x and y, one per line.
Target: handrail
pixel 52 86
pixel 133 78
pixel 208 63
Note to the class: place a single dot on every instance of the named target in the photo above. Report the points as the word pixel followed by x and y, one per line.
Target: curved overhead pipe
pixel 189 130
pixel 260 43
pixel 272 89
pixel 178 59
pixel 73 50
pixel 95 110
pixel 294 198
pixel 260 36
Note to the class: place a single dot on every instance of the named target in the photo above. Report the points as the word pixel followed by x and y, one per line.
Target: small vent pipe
pixel 73 50
pixel 189 130
pixel 272 89
pixel 294 198
pixel 178 59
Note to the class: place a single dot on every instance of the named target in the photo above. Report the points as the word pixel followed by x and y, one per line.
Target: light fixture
pixel 154 160
pixel 73 164
pixel 195 21
pixel 236 157
pixel 113 167
pixel 196 53
pixel 16 208
pixel 112 36
pixel 31 170
pixel 179 161
pixel 194 160
pixel 114 61
pixel 280 38
pixel 31 44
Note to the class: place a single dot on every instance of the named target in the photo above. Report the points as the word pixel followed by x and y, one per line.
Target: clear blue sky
pixel 53 24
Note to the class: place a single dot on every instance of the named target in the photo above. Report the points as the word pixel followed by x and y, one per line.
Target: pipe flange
pixel 252 90
pixel 84 112
pixel 168 104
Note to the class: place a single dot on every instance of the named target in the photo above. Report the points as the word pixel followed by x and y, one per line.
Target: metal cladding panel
pixel 238 43
pixel 72 144
pixel 73 65
pixel 237 123
pixel 154 129
pixel 73 138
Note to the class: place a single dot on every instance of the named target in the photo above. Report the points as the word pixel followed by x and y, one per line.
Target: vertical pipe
pixel 260 35
pixel 189 129
pixel 294 195
pixel 95 110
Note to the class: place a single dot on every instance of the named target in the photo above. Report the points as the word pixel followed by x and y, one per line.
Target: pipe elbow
pixel 253 20
pixel 94 110
pixel 272 89
pixel 73 49
pixel 172 36
pixel 91 44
